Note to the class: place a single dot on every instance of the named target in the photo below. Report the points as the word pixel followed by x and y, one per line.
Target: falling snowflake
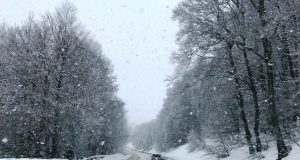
pixel 4 140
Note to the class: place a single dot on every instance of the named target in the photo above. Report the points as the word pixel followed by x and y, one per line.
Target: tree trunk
pixel 45 117
pixel 290 67
pixel 240 100
pixel 255 101
pixel 267 47
pixel 281 147
pixel 55 135
pixel 287 55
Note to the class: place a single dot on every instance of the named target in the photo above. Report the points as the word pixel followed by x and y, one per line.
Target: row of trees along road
pixel 237 78
pixel 58 93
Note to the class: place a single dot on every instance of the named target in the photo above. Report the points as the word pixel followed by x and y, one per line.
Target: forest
pixel 58 91
pixel 236 81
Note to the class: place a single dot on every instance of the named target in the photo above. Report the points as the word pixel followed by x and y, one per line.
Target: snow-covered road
pixel 135 155
pixel 128 154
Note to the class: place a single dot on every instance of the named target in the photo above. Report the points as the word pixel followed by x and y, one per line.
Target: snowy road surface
pixel 135 155
pixel 128 155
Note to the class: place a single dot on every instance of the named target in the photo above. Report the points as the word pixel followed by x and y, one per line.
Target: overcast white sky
pixel 137 35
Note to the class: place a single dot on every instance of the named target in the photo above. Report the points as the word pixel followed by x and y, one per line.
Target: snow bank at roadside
pixel 104 157
pixel 182 153
pixel 270 154
pixel 27 159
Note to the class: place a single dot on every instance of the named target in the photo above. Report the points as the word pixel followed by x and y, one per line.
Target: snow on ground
pixel 27 159
pixel 295 154
pixel 182 153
